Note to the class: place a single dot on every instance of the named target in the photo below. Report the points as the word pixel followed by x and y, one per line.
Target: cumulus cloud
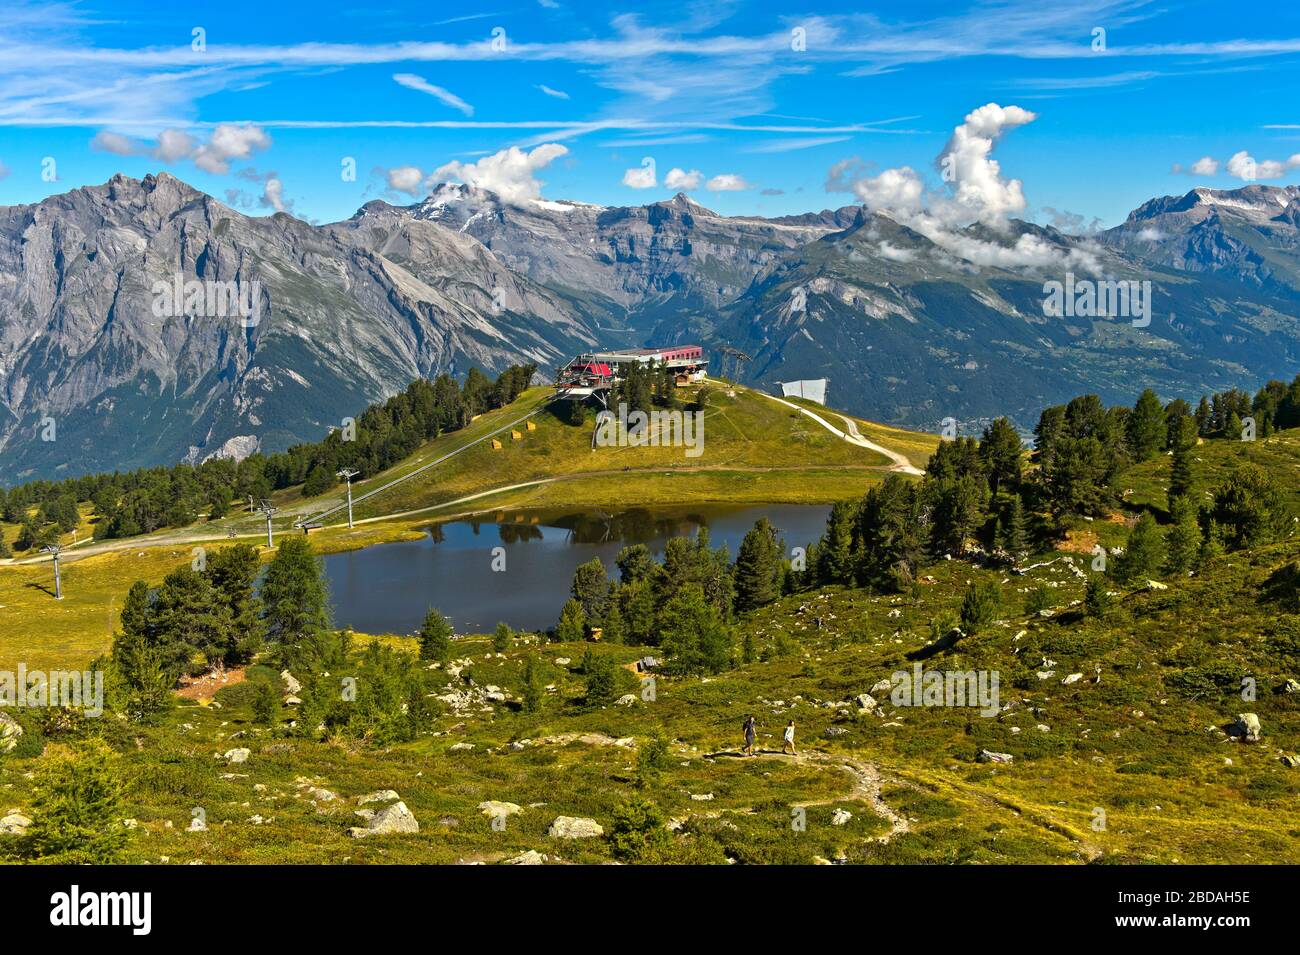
pixel 894 190
pixel 227 143
pixel 682 180
pixel 974 191
pixel 642 176
pixel 510 173
pixel 967 160
pixel 408 179
pixel 413 82
pixel 726 182
pixel 1243 166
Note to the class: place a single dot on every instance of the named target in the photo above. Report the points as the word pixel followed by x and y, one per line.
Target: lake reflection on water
pixel 387 588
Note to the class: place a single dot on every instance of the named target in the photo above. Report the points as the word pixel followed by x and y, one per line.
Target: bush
pixel 1096 601
pixel 77 812
pixel 980 606
pixel 637 829
pixel 266 704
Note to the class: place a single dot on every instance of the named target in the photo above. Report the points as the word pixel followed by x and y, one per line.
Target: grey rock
pixel 574 827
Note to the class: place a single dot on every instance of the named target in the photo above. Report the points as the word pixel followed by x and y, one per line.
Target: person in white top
pixel 788 740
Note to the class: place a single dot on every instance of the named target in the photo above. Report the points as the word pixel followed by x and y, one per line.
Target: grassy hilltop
pixel 1117 720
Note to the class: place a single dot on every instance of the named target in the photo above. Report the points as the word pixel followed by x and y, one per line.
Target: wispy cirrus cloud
pixel 413 82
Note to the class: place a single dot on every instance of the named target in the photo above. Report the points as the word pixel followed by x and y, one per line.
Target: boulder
pixel 574 827
pixel 492 808
pixel 382 795
pixel 988 756
pixel 627 699
pixel 1291 686
pixel 238 755
pixel 14 823
pixel 391 820
pixel 1072 678
pixel 884 686
pixel 1247 727
pixel 290 684
pixel 841 817
pixel 866 702
pixel 9 732
pixel 531 857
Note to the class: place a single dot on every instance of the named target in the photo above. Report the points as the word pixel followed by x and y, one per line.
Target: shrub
pixel 77 813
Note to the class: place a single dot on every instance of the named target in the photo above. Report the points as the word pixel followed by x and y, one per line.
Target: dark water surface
pixel 387 588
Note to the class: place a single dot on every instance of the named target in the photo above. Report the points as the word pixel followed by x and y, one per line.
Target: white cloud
pixel 408 179
pixel 114 143
pixel 642 176
pixel 228 142
pixel 273 195
pixel 174 145
pixel 510 173
pixel 726 182
pixel 894 190
pixel 977 192
pixel 1243 166
pixel 1205 166
pixel 558 94
pixel 419 83
pixel 895 254
pixel 683 181
pixel 980 188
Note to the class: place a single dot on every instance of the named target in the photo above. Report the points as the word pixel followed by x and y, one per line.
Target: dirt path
pixel 866 784
pixel 899 463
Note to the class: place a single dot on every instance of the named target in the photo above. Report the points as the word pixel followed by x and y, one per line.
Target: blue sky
pixel 268 108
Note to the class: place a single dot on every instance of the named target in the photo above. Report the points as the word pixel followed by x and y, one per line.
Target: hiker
pixel 788 740
pixel 751 725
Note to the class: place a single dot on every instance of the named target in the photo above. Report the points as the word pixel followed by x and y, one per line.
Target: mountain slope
pixel 344 314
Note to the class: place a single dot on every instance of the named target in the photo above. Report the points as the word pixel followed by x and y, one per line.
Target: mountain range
pixel 910 326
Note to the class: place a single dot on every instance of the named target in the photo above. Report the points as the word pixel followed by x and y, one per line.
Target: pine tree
pixel 590 588
pixel 1180 473
pixel 758 567
pixel 501 638
pixel 188 617
pixel 573 623
pixel 1144 554
pixel 1001 450
pixel 1146 427
pixel 601 679
pixel 634 563
pixel 834 558
pixel 77 817
pixel 1012 536
pixel 979 606
pixel 295 598
pixel 4 545
pixel 1183 541
pixel 533 692
pixel 693 633
pixel 435 637
pixel 266 703
pixel 233 572
pixel 1096 599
